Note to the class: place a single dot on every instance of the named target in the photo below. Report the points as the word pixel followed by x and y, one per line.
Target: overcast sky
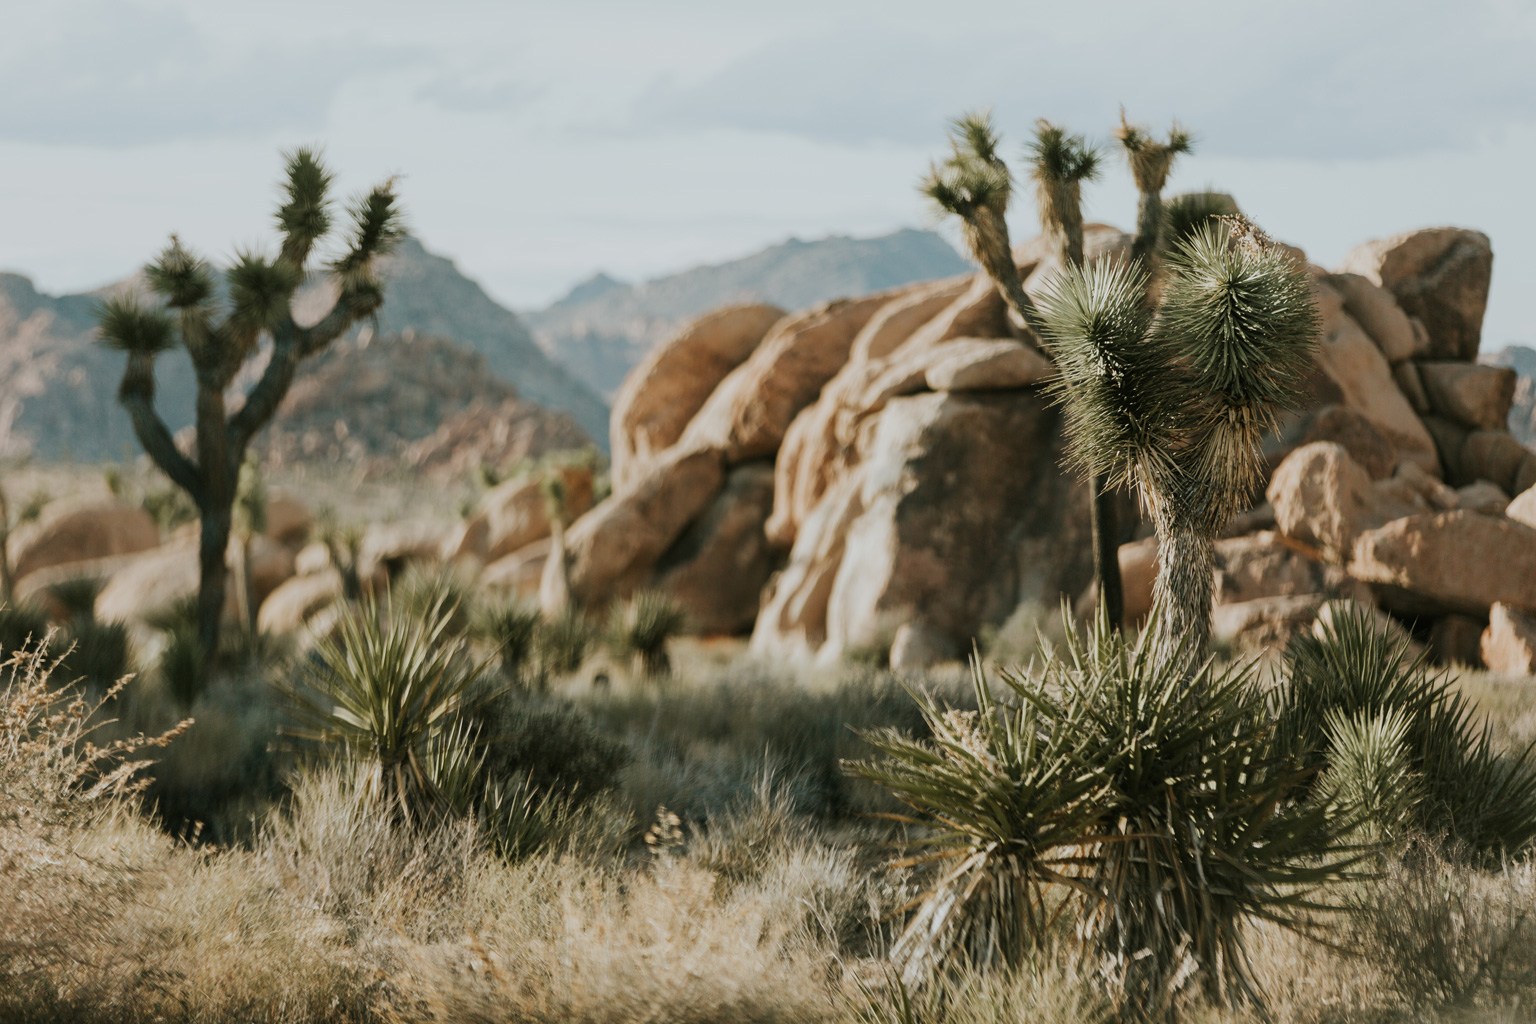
pixel 540 142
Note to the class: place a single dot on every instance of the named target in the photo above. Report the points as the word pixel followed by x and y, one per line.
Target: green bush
pixel 548 744
pixel 23 627
pixel 511 630
pixel 562 643
pixel 76 597
pixel 1471 793
pixel 641 628
pixel 96 654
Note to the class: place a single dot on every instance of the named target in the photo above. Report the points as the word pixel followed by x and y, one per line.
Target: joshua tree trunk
pixel 1186 558
pixel 554 582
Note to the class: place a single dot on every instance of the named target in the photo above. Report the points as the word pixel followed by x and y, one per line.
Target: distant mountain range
pixel 58 388
pixel 603 327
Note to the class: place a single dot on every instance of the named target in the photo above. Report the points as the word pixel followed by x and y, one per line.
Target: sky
pixel 538 143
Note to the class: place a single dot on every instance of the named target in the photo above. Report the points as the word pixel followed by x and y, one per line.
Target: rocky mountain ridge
pixel 58 387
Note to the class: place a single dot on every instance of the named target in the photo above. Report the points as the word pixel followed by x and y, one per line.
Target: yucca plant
pixel 23 627
pixel 222 332
pixel 1204 826
pixel 389 693
pixel 641 628
pixel 511 629
pixel 1006 805
pixel 562 643
pixel 96 654
pixel 1467 791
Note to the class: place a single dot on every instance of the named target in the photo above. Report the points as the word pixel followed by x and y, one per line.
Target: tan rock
pixel 614 546
pixel 1448 437
pixel 270 564
pixel 469 540
pixel 1473 394
pixel 298 600
pixel 1265 565
pixel 1376 309
pixel 1357 435
pixel 289 521
pixel 153 580
pixel 520 573
pixel 517 512
pixel 793 619
pixel 1483 496
pixel 899 318
pixel 83 533
pixel 950 481
pixel 717 568
pixel 1439 275
pixel 661 394
pixel 1525 476
pixel 1264 622
pixel 312 558
pixel 980 365
pixel 1523 508
pixel 1492 455
pixel 1364 378
pixel 1455 561
pixel 387 548
pixel 748 413
pixel 1138 577
pixel 1508 645
pixel 1322 497
pixel 1407 377
pixel 978 312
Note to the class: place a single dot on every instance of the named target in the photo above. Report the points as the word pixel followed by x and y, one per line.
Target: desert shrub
pixel 1473 793
pixel 1446 934
pixel 562 643
pixel 61 794
pixel 23 627
pixel 424 588
pixel 511 630
pixel 97 654
pixel 1042 993
pixel 76 598
pixel 641 627
pixel 551 744
pixel 169 507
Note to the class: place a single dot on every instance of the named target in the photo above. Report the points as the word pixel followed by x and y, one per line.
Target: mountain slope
pixel 58 389
pixel 604 327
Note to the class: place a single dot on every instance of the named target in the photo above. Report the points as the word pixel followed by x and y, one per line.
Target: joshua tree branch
pixel 137 395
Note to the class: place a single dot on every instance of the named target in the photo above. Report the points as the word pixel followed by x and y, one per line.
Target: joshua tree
pixel 1176 400
pixel 975 185
pixel 221 335
pixel 555 581
pixel 1150 162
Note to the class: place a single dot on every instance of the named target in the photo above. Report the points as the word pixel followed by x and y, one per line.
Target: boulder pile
pixel 917 493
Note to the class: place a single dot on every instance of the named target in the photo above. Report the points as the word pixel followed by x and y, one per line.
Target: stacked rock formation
pixel 916 491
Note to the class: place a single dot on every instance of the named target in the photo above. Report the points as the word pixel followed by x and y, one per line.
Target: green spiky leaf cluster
pixel 1060 157
pixel 1468 791
pixel 974 177
pixel 390 693
pixel 1154 802
pixel 1184 214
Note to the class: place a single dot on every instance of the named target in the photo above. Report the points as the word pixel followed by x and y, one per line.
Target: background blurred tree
pixel 221 335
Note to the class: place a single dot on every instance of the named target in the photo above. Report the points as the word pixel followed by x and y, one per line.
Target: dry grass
pixel 766 902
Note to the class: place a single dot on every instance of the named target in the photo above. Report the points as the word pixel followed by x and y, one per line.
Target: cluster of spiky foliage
pixel 1355 703
pixel 1150 162
pixel 1062 162
pixel 1184 214
pixel 641 628
pixel 390 692
pixel 974 184
pixel 221 332
pixel 1177 402
pixel 1151 799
